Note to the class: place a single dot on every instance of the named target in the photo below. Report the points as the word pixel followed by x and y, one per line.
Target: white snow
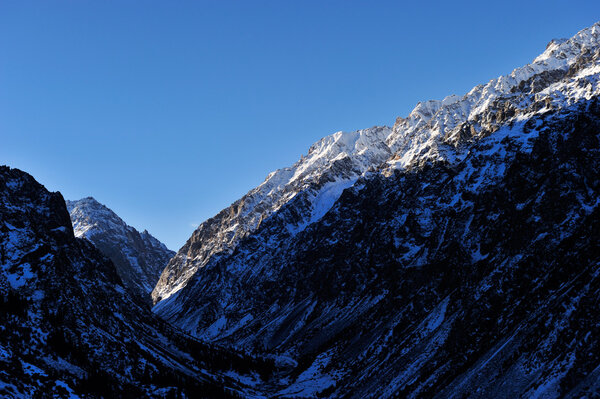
pixel 20 277
pixel 66 387
pixel 419 137
pixel 5 354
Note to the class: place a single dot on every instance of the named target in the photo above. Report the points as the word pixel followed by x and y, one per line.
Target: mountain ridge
pixel 418 276
pixel 454 254
pixel 433 130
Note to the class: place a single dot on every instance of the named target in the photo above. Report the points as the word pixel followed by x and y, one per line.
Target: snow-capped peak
pixel 551 48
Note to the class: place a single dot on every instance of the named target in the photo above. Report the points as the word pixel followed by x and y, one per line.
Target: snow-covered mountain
pixel 68 328
pixel 453 255
pixel 139 257
pixel 434 130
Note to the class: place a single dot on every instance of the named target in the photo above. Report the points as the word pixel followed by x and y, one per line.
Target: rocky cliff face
pixel 68 327
pixel 455 254
pixel 139 257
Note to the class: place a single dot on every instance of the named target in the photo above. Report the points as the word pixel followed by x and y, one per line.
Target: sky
pixel 169 111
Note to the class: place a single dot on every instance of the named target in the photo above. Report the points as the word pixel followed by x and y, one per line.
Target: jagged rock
pixel 314 183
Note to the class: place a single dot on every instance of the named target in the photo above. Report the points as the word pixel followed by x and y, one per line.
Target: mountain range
pixel 71 328
pixel 423 258
pixel 454 254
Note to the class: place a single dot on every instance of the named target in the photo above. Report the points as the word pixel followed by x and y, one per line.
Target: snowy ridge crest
pixel 427 125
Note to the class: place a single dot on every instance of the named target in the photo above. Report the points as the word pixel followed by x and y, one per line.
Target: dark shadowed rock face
pixel 464 265
pixel 138 257
pixel 67 325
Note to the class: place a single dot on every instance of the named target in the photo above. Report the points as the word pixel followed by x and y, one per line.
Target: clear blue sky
pixel 169 111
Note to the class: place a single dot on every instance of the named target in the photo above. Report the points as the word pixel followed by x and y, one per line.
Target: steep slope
pixel 463 265
pixel 69 329
pixel 138 257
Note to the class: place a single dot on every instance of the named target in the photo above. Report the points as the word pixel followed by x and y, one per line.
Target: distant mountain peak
pixel 139 257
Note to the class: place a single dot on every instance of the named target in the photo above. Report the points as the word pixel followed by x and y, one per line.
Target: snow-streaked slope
pixel 478 279
pixel 432 123
pixel 464 264
pixel 139 257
